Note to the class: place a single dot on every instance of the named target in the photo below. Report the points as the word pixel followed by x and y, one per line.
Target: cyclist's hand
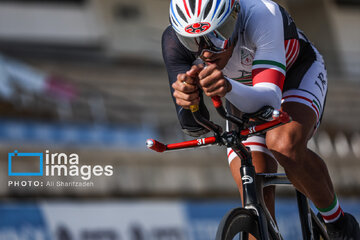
pixel 186 90
pixel 213 82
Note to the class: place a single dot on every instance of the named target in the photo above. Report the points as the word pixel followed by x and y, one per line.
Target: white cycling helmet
pixel 205 24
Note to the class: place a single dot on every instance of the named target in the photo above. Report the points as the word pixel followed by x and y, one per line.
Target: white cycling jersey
pixel 272 63
pixel 268 45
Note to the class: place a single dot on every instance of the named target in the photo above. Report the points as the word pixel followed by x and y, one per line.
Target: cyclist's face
pixel 220 59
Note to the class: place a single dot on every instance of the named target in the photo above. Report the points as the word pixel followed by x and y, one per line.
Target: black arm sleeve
pixel 179 60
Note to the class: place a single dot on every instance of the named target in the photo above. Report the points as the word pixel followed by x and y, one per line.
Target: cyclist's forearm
pixel 250 99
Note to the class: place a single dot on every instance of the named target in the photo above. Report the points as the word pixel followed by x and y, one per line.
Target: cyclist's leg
pixel 306 170
pixel 263 161
pixel 304 103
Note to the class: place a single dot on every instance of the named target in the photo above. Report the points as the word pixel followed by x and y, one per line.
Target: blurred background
pixel 87 77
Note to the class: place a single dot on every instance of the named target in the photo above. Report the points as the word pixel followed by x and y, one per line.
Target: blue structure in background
pixel 204 217
pixel 105 136
pixel 23 222
pixel 28 222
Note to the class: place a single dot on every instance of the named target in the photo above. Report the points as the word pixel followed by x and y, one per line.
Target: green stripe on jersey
pixel 316 103
pixel 269 62
pixel 243 80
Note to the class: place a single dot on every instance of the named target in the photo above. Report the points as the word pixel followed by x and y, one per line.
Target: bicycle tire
pixel 237 220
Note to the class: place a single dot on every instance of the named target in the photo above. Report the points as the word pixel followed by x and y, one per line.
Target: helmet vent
pixel 207 9
pixel 192 6
pixel 173 21
pixel 181 14
pixel 222 10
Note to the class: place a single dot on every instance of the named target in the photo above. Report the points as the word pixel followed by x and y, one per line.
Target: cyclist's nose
pixel 207 54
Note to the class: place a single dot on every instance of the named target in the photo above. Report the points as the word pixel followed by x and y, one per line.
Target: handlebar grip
pixel 155 145
pixel 194 108
pixel 216 101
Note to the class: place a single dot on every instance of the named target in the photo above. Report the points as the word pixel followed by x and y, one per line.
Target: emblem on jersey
pixel 197 27
pixel 246 57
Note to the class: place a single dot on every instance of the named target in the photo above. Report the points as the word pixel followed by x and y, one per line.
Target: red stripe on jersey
pixel 267 75
pixel 292 48
pixel 292 52
pixel 294 56
pixel 186 8
pixel 287 43
pixel 289 49
pixel 306 99
pixel 317 111
pixel 297 96
pixel 291 61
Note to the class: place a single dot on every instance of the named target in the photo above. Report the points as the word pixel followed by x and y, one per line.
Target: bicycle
pixel 253 218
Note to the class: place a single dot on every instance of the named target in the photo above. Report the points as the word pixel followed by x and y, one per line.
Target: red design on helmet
pixel 197 27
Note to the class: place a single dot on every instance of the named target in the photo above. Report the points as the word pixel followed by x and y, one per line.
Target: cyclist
pixel 252 53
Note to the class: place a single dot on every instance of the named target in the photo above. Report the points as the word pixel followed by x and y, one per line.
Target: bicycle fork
pixel 251 200
pixel 250 196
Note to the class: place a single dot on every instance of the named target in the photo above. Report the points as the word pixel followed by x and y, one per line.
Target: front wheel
pixel 236 223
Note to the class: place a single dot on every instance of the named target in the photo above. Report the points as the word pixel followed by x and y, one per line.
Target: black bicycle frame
pixel 247 170
pixel 250 194
pixel 253 183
